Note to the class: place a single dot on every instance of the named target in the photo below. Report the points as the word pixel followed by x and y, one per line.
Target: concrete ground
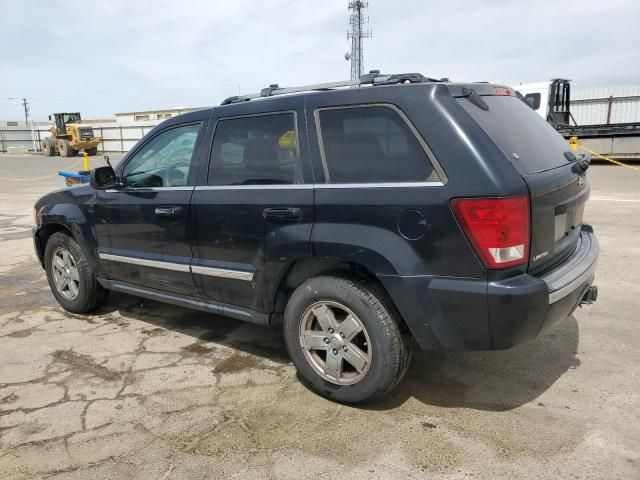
pixel 144 390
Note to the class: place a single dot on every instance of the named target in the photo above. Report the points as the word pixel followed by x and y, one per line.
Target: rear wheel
pixel 71 278
pixel 66 150
pixel 343 339
pixel 48 147
pixel 92 151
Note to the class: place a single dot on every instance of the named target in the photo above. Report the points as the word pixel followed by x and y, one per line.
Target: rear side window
pixel 371 145
pixel 257 150
pixel 526 139
pixel 533 100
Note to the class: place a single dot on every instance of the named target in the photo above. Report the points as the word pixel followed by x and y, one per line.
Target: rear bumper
pixel 562 290
pixel 447 313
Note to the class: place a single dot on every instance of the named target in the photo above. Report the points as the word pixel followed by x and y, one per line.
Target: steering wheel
pixel 173 174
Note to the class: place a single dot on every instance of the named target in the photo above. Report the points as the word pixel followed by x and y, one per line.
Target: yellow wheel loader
pixel 69 136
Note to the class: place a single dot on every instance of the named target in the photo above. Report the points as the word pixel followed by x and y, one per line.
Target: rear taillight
pixel 498 228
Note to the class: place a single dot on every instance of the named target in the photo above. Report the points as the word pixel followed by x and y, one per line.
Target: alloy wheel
pixel 335 343
pixel 65 274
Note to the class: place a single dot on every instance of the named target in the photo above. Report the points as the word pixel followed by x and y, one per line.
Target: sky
pixel 103 57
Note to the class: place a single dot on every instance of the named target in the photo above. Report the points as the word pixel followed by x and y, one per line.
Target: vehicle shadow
pixel 494 380
pixel 262 341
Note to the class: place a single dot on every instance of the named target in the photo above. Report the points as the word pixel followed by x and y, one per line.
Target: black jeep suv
pixel 359 218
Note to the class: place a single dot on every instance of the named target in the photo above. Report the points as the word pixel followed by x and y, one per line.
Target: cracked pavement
pixel 143 390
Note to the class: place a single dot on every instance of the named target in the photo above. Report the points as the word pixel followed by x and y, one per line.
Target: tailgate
pixel 558 197
pixel 557 186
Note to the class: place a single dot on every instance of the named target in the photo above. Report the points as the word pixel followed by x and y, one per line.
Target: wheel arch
pixel 44 234
pixel 302 270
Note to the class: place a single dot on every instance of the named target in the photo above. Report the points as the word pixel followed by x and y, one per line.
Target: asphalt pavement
pixel 144 390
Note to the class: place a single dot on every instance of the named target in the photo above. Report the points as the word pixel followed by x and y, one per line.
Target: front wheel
pixel 71 278
pixel 66 150
pixel 344 339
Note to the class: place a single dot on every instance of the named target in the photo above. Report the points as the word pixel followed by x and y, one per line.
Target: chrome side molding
pixel 222 273
pixel 180 267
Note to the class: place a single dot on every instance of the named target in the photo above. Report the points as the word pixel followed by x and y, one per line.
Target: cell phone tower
pixel 356 34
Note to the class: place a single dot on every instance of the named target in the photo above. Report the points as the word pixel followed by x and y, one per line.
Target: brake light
pixel 506 91
pixel 498 228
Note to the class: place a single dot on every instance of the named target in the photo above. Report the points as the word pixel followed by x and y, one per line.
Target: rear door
pixel 253 217
pixel 147 240
pixel 557 186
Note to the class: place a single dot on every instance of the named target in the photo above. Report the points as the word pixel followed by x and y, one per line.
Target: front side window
pixel 372 145
pixel 258 150
pixel 165 161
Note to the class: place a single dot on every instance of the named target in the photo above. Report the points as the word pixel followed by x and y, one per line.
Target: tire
pixel 48 147
pixel 386 348
pixel 92 151
pixel 66 150
pixel 89 294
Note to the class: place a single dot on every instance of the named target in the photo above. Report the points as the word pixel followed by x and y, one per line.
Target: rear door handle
pixel 282 213
pixel 168 212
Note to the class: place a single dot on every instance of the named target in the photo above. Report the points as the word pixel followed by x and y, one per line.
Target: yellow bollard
pixel 573 143
pixel 86 161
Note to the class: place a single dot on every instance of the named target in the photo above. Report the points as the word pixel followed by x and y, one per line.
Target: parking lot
pixel 146 390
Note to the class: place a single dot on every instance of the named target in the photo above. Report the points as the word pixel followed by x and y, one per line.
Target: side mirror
pixel 104 177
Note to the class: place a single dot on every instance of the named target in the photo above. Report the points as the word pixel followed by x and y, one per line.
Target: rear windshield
pixel 517 129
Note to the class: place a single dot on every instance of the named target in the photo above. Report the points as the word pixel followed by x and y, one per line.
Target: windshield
pixel 529 142
pixel 70 117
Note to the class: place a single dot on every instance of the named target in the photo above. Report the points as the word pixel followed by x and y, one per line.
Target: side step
pixel 226 310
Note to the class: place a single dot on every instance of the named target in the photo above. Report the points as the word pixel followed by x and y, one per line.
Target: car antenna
pixel 106 159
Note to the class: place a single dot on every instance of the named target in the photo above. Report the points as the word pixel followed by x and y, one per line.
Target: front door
pixel 147 221
pixel 253 219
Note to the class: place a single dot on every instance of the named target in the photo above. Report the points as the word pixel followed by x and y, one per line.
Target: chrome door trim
pixel 143 262
pixel 147 189
pixel 180 267
pixel 307 186
pixel 379 185
pixel 292 186
pixel 222 273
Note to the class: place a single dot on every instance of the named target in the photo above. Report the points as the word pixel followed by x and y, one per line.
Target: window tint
pixel 533 99
pixel 517 129
pixel 164 161
pixel 258 150
pixel 372 145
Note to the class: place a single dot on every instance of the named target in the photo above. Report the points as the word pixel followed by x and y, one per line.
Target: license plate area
pixel 569 221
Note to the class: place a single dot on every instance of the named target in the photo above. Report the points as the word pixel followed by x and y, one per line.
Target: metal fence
pixel 115 137
pixel 597 106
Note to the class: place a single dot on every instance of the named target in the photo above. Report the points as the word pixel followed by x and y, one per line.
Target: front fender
pixel 70 209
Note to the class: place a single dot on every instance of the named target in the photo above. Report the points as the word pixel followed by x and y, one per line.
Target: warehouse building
pixel 151 115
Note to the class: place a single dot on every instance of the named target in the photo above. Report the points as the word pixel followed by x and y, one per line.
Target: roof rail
pixel 372 78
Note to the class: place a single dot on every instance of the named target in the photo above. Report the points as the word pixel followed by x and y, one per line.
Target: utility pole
pixel 356 34
pixel 25 104
pixel 29 123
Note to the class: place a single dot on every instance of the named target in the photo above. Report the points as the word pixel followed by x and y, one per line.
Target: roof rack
pixel 372 78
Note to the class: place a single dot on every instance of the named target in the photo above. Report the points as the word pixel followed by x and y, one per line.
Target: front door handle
pixel 168 212
pixel 282 213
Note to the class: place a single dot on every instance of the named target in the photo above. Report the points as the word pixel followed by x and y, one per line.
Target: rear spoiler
pixel 482 89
